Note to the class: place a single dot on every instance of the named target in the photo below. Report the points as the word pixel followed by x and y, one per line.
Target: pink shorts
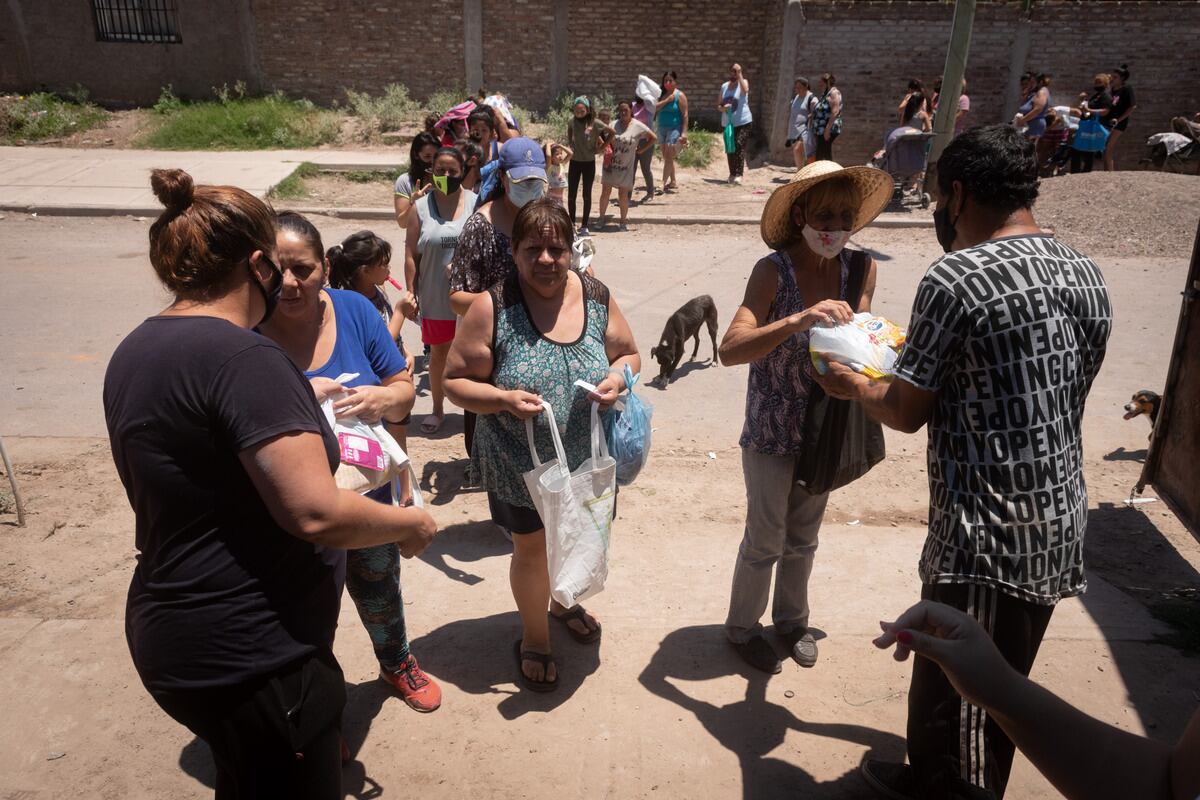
pixel 437 331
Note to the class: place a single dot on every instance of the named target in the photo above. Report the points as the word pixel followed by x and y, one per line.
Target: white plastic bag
pixel 577 510
pixel 648 90
pixel 370 456
pixel 868 344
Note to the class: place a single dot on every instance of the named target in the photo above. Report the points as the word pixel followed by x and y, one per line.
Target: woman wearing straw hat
pixel 804 282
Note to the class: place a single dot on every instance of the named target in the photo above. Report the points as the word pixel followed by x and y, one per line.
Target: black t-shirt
pixel 1122 101
pixel 1100 100
pixel 221 594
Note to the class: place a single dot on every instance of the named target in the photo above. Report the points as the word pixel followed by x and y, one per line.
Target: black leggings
pixel 1081 161
pixel 824 148
pixel 575 171
pixel 278 736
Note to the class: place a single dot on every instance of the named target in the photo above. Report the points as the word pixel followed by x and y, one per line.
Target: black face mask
pixel 476 138
pixel 423 169
pixel 453 183
pixel 944 228
pixel 270 296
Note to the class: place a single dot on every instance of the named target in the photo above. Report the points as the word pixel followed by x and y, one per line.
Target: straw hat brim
pixel 875 188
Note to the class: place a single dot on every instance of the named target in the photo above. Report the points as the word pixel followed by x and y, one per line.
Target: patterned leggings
pixel 737 159
pixel 373 580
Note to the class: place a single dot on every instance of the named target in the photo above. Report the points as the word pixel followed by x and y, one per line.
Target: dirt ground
pixel 663 708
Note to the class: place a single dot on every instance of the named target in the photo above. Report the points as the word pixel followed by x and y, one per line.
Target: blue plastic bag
pixel 1091 136
pixel 628 432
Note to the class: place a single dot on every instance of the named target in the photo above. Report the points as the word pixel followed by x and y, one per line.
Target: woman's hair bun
pixel 173 188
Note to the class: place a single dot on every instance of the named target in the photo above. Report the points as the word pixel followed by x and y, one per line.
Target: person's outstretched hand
pixel 956 643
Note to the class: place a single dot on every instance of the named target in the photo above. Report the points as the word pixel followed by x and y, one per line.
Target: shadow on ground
pixel 465 542
pixel 1126 549
pixel 753 728
pixel 476 655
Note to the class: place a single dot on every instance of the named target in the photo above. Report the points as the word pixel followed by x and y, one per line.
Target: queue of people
pixel 1054 129
pixel 245 541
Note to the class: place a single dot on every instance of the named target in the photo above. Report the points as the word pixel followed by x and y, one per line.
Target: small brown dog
pixel 1144 402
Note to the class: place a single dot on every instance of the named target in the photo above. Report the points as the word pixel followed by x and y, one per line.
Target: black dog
pixel 685 324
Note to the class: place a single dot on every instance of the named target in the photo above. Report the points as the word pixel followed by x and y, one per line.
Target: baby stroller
pixel 905 158
pixel 1177 150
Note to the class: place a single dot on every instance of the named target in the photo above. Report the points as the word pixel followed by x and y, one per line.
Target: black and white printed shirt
pixel 1010 335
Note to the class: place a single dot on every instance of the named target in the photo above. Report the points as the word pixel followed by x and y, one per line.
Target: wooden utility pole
pixel 952 78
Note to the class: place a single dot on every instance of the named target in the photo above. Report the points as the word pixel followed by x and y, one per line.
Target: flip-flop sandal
pixel 432 427
pixel 578 613
pixel 545 659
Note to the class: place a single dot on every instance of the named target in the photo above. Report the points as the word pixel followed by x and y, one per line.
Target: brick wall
pixel 614 41
pixel 317 48
pixel 873 48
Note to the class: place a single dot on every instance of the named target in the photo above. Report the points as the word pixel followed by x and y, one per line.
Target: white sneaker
pixel 738 180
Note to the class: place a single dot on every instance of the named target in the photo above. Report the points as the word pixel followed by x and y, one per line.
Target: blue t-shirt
pixel 363 344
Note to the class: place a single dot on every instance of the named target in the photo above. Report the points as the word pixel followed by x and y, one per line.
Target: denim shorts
pixel 669 135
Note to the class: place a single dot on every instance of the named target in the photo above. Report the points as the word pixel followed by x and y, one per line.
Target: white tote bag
pixel 577 510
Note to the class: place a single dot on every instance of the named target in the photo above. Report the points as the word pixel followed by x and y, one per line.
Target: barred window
pixel 136 20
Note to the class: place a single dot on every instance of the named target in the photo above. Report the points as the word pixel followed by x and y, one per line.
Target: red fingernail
pixel 904 637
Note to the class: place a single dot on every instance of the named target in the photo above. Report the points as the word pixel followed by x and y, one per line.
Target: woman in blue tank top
pixel 672 110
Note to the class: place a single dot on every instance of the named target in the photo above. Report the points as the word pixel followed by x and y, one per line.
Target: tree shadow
pixel 476 655
pixel 465 541
pixel 1121 454
pixel 1126 550
pixel 752 728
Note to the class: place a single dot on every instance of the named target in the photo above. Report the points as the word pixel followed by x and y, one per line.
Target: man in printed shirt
pixel 1007 334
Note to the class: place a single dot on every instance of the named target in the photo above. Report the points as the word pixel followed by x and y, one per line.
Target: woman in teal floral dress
pixel 522 345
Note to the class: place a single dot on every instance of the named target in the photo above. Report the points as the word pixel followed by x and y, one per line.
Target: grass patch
pixel 699 152
pixel 292 187
pixel 41 116
pixel 371 176
pixel 237 122
pixel 387 112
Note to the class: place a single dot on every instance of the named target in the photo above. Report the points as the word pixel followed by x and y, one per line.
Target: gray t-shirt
pixel 1010 335
pixel 624 145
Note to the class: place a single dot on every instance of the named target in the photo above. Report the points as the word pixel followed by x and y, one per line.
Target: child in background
pixel 473 156
pixel 604 135
pixel 362 263
pixel 556 155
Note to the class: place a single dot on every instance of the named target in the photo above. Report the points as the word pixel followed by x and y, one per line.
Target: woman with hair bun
pixel 241 531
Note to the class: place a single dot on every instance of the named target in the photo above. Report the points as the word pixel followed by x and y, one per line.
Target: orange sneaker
pixel 420 691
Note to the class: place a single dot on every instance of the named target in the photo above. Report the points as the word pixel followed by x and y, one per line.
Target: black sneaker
pixel 758 653
pixel 889 779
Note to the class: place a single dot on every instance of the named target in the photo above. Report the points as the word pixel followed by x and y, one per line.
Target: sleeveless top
pixel 824 110
pixel 670 116
pixel 523 358
pixel 780 382
pixel 439 237
pixel 739 112
pixel 1036 126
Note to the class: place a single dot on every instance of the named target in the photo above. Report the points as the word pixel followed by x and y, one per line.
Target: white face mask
pixel 826 244
pixel 525 192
